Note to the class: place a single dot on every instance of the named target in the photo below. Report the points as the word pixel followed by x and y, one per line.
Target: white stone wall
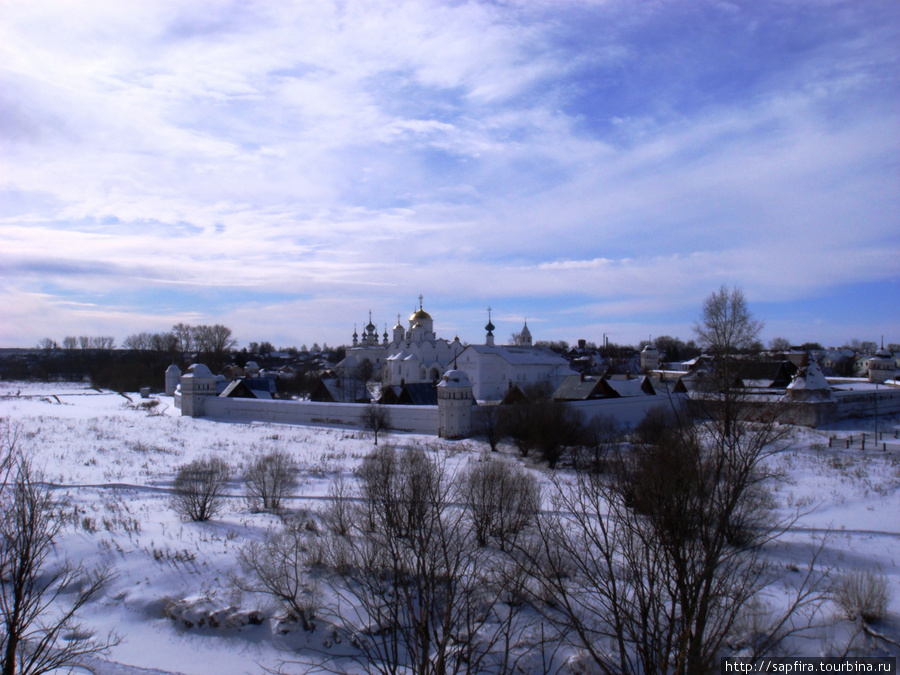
pixel 886 401
pixel 420 419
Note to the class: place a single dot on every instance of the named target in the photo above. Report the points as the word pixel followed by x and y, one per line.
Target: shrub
pixel 338 512
pixel 399 489
pixel 517 424
pixel 278 566
pixel 414 593
pixel 862 596
pixel 600 437
pixel 198 488
pixel 501 500
pixel 271 480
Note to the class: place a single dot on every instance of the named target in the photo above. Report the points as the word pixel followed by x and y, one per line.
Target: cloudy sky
pixel 595 167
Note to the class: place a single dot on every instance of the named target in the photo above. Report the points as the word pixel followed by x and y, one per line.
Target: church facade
pixel 411 355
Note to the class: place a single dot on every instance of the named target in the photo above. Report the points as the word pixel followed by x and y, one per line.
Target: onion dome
pixel 455 378
pixel 199 370
pixel 420 314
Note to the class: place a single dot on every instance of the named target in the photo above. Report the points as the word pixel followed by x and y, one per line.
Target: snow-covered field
pixel 112 461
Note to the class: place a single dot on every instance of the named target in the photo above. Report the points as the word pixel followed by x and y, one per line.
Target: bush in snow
pixel 862 596
pixel 278 566
pixel 338 512
pixel 205 612
pixel 501 500
pixel 271 480
pixel 412 588
pixel 198 488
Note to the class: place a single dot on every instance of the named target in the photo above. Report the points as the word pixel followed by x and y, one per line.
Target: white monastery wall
pixel 886 401
pixel 412 418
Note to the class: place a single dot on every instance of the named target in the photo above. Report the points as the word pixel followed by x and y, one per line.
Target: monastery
pixel 463 377
pixel 416 355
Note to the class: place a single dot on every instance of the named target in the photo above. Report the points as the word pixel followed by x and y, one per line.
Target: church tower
pixel 371 337
pixel 399 332
pixel 455 404
pixel 173 377
pixel 525 336
pixel 489 338
pixel 197 384
pixel 421 325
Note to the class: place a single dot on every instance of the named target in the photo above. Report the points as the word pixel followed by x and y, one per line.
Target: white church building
pixel 412 355
pixel 415 354
pixel 495 369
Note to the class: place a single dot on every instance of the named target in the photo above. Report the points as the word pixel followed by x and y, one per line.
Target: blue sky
pixel 595 167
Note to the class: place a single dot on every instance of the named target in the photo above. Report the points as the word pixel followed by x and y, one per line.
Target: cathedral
pixel 411 355
pixel 415 354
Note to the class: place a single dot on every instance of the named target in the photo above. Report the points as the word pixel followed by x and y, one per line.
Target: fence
pixel 867 441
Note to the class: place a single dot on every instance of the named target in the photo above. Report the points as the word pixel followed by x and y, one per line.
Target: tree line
pixel 71 342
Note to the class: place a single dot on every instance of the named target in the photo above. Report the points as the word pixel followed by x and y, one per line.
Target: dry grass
pixel 862 596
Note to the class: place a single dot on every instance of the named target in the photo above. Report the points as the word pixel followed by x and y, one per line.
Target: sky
pixel 596 168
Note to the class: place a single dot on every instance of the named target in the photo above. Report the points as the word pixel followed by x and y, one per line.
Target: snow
pixel 111 460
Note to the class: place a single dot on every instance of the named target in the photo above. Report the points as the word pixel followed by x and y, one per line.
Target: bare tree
pixel 517 424
pixel 270 480
pixel 644 567
pixel 415 594
pixel 215 344
pixel 779 344
pixel 9 440
pixel 501 500
pixel 651 564
pixel 198 488
pixel 600 437
pixel 726 326
pixel 557 428
pixel 487 422
pixel 138 341
pixel 40 597
pixel 103 342
pixel 164 342
pixel 278 566
pixel 184 334
pixel 375 418
pixel 539 423
pixel 339 513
